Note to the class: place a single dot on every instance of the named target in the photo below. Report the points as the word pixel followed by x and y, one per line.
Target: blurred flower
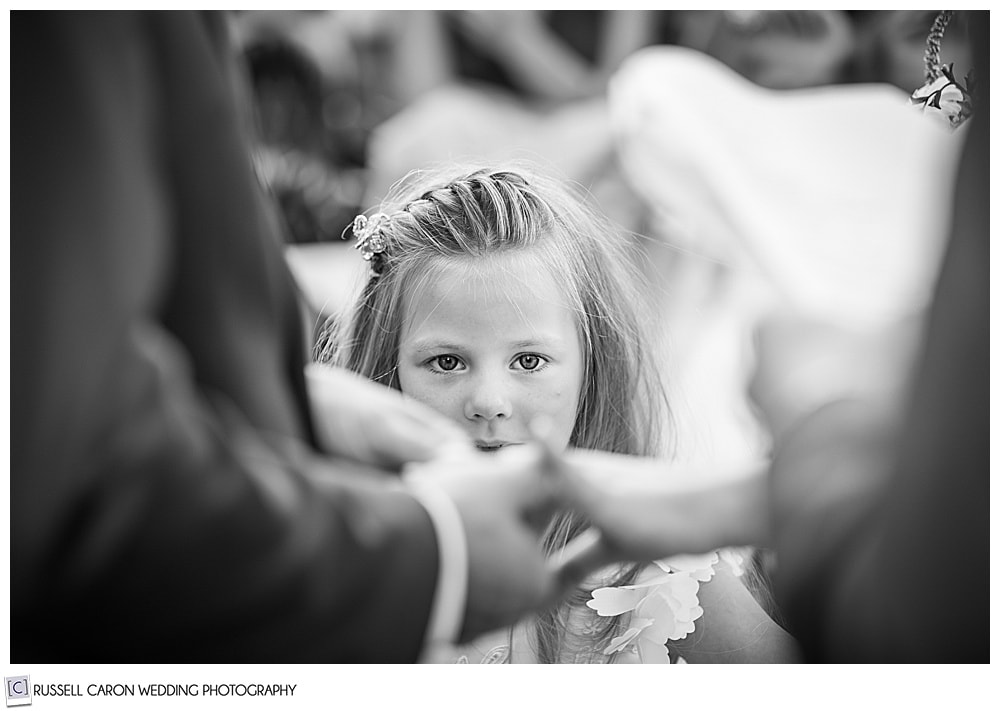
pixel 945 99
pixel 735 559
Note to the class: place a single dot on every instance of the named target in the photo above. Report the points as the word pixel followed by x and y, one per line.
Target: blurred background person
pixel 777 49
pixel 891 45
pixel 522 84
pixel 326 82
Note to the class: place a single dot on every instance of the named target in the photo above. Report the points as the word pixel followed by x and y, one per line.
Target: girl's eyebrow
pixel 424 346
pixel 543 340
pixel 428 344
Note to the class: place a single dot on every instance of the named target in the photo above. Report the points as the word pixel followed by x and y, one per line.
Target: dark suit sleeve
pixel 166 501
pixel 894 565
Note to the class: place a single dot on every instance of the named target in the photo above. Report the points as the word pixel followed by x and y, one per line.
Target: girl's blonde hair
pixel 459 216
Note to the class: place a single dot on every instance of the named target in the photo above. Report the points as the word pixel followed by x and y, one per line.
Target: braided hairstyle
pixel 445 218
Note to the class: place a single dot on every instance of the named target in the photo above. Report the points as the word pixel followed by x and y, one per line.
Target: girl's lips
pixel 493 446
pixel 489 447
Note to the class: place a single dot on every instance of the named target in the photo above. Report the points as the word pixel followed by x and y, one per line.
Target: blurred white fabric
pixel 831 202
pixel 839 195
pixel 329 275
pixel 476 125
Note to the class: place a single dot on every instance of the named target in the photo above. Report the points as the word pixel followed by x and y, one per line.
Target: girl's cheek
pixel 548 400
pixel 448 400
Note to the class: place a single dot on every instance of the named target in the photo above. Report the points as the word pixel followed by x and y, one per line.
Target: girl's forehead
pixel 497 270
pixel 500 288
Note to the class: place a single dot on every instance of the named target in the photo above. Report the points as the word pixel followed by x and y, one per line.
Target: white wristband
pixel 448 608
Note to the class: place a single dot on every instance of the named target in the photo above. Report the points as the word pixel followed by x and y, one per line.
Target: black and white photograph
pixel 449 337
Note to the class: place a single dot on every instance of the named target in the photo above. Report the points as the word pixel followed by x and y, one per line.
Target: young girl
pixel 496 297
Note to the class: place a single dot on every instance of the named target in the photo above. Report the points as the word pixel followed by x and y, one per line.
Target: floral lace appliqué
pixel 499 654
pixel 736 559
pixel 664 606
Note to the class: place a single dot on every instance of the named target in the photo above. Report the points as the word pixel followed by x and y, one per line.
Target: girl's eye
pixel 529 361
pixel 446 362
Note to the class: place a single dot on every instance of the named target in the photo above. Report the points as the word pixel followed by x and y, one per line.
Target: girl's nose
pixel 488 400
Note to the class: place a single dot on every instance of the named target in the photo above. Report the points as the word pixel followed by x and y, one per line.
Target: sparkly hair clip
pixel 370 239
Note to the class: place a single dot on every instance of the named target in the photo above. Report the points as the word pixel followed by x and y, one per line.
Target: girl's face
pixel 493 347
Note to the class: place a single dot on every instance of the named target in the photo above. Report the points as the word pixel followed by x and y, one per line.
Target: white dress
pixel 661 606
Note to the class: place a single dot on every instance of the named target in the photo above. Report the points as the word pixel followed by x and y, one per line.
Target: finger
pixel 579 558
pixel 550 452
pixel 540 499
pixel 400 440
pixel 417 436
pixel 574 490
pixel 432 423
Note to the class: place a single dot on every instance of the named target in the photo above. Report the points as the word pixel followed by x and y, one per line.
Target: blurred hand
pixel 505 501
pixel 646 509
pixel 370 423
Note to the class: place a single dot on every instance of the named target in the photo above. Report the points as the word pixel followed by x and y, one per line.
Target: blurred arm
pixel 166 502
